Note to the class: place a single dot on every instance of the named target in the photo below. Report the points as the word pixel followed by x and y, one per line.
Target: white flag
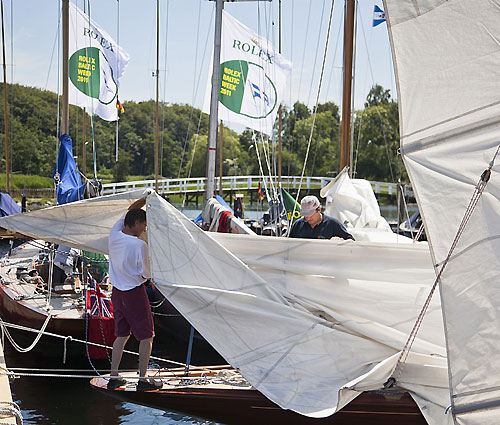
pixel 95 64
pixel 253 77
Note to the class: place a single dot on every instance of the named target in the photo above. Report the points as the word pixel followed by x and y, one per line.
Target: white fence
pixel 236 183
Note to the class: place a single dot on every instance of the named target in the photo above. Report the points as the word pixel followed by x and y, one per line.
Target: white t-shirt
pixel 128 261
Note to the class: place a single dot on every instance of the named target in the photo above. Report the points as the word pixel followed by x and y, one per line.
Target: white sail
pixel 447 57
pixel 310 323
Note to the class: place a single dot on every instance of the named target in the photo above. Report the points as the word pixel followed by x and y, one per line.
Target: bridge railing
pixel 235 183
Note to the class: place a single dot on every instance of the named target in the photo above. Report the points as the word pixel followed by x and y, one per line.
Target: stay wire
pixel 317 49
pixel 195 87
pixel 315 108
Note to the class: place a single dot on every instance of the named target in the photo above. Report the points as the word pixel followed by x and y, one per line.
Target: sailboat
pixel 313 324
pixel 446 57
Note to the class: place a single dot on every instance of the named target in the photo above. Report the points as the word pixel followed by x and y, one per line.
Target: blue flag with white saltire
pixel 378 16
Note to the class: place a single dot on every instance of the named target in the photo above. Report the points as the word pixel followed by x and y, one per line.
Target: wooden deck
pixel 5 394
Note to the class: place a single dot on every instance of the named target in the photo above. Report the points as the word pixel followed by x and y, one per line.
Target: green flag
pixel 290 203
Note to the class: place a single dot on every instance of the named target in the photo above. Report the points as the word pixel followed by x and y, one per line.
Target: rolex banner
pixel 95 64
pixel 253 77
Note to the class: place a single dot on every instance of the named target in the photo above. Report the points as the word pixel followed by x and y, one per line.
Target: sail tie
pixel 479 189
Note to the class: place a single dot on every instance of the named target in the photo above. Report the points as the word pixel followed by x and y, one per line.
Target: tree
pixel 121 169
pixel 377 96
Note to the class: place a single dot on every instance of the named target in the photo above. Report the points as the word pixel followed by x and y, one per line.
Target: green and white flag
pixel 95 64
pixel 253 77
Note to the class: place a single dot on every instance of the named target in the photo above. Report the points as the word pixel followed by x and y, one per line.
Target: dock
pixel 9 412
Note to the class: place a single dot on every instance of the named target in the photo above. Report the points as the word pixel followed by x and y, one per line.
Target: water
pixel 63 401
pixel 72 401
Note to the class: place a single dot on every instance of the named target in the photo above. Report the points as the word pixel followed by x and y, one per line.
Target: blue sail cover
pixel 67 179
pixel 8 206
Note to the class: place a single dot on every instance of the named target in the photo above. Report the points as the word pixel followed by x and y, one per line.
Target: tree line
pixel 32 134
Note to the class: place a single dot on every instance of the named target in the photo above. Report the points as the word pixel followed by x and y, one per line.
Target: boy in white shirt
pixel 128 271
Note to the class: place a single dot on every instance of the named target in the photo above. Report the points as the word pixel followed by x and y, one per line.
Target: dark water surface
pixel 72 401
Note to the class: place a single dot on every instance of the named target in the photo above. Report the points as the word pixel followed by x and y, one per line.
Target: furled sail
pixel 447 60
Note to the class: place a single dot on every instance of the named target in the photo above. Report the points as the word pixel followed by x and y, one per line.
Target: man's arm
pixel 137 204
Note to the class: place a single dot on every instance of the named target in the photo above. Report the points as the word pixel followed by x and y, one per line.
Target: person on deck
pixel 129 272
pixel 314 224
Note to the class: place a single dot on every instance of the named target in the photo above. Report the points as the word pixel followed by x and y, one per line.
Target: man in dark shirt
pixel 314 225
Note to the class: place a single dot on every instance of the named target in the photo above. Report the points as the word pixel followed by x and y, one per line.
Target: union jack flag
pixel 98 304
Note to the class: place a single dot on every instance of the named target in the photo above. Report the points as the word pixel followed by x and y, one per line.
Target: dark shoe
pixel 149 385
pixel 114 383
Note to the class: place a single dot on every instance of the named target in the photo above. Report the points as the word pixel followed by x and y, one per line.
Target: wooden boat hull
pixel 21 313
pixel 247 406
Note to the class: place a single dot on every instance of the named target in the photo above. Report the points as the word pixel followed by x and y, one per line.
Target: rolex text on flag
pixel 95 64
pixel 253 76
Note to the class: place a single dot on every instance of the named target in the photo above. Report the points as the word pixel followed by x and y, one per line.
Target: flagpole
pixel 157 125
pixel 84 143
pixel 65 68
pixel 279 109
pixel 346 97
pixel 214 103
pixel 221 156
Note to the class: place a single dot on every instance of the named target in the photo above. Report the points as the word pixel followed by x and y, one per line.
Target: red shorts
pixel 132 313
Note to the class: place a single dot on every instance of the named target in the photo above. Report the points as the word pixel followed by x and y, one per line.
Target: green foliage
pixel 33 140
pixel 21 181
pixel 378 144
pixel 121 168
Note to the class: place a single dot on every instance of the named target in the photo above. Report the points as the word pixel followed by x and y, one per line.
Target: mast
pixel 5 112
pixel 347 84
pixel 84 143
pixel 214 103
pixel 279 109
pixel 65 69
pixel 157 125
pixel 221 156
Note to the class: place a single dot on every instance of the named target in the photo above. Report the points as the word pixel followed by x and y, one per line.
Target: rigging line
pixel 56 39
pixel 382 121
pixel 478 191
pixel 92 117
pixel 360 123
pixel 272 189
pixel 405 205
pixel 164 89
pixel 80 341
pixel 315 109
pixel 192 158
pixel 58 81
pixel 287 139
pixel 12 41
pixel 304 51
pixel 316 54
pixel 260 163
pixel 194 97
pixel 194 88
pixel 118 68
pixel 327 92
pixel 35 341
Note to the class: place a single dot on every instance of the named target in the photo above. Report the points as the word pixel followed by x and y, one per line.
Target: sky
pixel 186 39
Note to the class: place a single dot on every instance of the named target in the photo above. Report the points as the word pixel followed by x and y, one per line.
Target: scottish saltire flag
pixel 98 304
pixel 95 64
pixel 253 78
pixel 378 16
